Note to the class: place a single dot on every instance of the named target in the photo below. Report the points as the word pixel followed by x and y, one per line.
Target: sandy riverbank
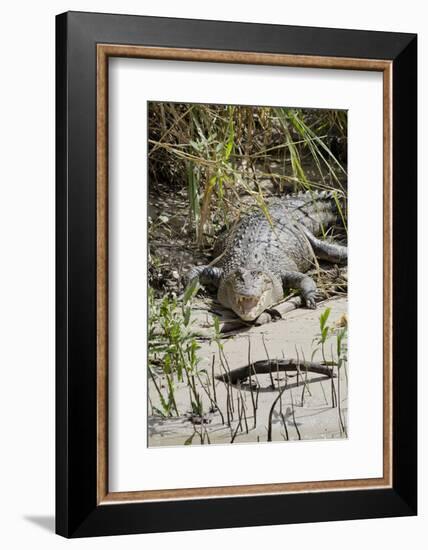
pixel 302 411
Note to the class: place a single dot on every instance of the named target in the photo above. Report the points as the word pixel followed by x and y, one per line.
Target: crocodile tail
pixel 319 195
pixel 335 197
pixel 326 206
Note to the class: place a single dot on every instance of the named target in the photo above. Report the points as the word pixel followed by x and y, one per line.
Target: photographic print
pixel 247 231
pixel 202 274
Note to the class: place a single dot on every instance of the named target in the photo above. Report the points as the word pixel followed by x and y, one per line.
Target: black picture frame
pixel 78 513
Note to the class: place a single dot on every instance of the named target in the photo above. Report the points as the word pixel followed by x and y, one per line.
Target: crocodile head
pixel 248 292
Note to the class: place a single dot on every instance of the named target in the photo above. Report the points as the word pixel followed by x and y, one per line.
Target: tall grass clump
pixel 224 154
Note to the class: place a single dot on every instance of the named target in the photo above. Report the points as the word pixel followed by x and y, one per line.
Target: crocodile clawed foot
pixel 268 316
pixel 310 301
pixel 274 314
pixel 263 319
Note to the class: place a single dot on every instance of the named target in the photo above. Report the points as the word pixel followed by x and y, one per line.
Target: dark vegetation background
pixel 209 163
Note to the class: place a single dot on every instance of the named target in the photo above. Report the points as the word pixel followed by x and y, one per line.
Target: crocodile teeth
pixel 248 301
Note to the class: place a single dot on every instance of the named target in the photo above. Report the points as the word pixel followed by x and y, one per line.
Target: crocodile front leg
pixel 302 282
pixel 207 275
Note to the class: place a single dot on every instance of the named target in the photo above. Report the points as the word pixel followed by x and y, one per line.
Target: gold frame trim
pixel 104 51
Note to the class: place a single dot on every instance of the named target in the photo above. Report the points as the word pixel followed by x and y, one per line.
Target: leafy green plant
pixel 327 331
pixel 173 351
pixel 340 334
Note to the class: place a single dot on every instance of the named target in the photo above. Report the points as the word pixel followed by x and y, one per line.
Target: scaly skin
pixel 261 259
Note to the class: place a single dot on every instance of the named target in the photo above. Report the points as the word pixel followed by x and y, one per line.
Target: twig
pixel 237 427
pixel 253 401
pixel 339 407
pixel 269 436
pixel 228 406
pixel 213 378
pixel 222 354
pixel 294 416
pixel 213 402
pixel 267 355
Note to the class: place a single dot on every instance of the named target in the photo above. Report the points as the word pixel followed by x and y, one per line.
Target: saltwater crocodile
pixel 263 254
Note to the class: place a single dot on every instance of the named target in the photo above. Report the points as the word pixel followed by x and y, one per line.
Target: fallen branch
pixel 269 366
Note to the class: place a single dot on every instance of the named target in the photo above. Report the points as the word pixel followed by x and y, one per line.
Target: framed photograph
pixel 236 274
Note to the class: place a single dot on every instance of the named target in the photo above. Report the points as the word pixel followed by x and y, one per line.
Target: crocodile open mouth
pixel 247 303
pixel 248 307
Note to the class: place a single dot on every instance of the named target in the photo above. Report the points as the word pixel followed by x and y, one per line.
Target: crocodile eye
pixel 239 276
